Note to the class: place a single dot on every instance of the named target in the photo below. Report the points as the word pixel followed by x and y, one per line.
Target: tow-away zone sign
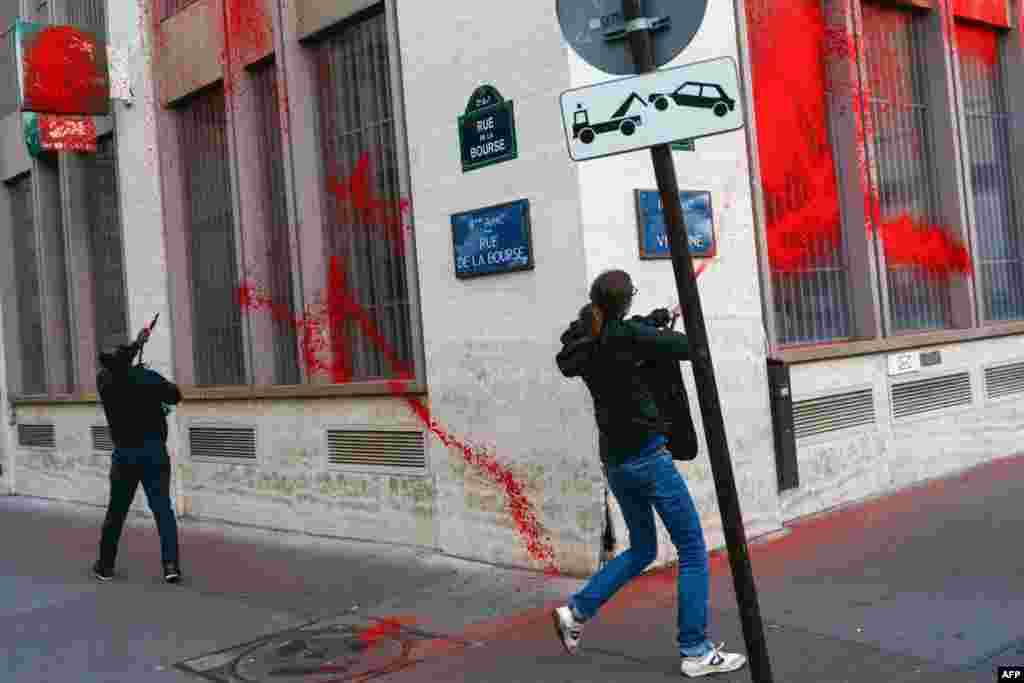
pixel 686 102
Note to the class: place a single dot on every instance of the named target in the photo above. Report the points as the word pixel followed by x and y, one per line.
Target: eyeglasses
pixel 634 292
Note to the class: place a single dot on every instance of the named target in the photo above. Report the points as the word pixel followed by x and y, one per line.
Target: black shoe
pixel 101 573
pixel 172 573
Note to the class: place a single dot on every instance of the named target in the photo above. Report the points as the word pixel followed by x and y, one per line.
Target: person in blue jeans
pixel 135 401
pixel 605 349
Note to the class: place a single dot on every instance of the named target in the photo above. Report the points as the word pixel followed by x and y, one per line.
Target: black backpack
pixel 665 380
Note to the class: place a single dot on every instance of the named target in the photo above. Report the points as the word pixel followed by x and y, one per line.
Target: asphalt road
pixel 921 586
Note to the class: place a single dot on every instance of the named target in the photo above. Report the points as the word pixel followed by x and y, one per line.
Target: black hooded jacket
pixel 133 401
pixel 627 415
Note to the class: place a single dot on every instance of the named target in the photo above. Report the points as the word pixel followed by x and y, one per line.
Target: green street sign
pixel 30 121
pixel 487 131
pixel 682 146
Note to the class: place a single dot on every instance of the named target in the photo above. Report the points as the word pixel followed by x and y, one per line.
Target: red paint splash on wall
pixel 67 133
pixel 356 192
pixel 977 44
pixel 796 164
pixel 342 305
pixel 248 33
pixel 62 75
pixel 796 159
pixel 988 11
pixel 909 242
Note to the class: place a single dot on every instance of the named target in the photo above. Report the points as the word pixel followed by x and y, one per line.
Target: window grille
pixel 999 254
pixel 356 117
pixel 56 302
pixel 210 240
pixel 106 256
pixel 1004 380
pixel 167 8
pixel 37 435
pixel 808 268
pixel 102 440
pixel 8 68
pixel 26 264
pixel 222 442
pixel 278 243
pixel 388 450
pixel 811 302
pixel 904 172
pixel 825 414
pixel 89 15
pixel 922 396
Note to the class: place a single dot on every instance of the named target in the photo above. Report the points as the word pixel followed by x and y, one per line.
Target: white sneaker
pixel 569 630
pixel 714 662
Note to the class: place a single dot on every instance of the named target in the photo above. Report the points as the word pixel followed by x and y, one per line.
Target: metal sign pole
pixel 638 30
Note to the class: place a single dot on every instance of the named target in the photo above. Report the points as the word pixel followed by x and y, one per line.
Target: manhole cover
pixel 319 654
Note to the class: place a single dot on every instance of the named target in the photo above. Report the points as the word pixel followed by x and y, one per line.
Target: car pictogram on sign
pixel 696 94
pixel 585 131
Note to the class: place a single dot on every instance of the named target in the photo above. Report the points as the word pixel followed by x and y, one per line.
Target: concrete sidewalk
pixel 923 585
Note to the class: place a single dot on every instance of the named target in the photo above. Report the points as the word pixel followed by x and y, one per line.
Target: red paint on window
pixel 61 72
pixel 989 11
pixel 796 164
pixel 797 169
pixel 978 44
pixel 910 242
pixel 373 210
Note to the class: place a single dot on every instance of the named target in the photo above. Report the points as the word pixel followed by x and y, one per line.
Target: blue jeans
pixel 640 484
pixel 155 477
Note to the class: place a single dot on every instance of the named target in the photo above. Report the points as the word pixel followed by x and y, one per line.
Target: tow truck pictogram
pixel 585 132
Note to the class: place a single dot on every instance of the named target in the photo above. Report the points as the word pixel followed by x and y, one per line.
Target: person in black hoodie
pixel 135 401
pixel 606 351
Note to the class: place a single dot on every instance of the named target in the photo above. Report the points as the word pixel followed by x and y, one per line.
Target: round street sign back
pixel 596 30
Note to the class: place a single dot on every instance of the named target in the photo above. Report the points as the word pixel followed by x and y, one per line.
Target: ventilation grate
pixel 101 439
pixel 382 448
pixel 1004 380
pixel 222 442
pixel 37 436
pixel 928 395
pixel 831 413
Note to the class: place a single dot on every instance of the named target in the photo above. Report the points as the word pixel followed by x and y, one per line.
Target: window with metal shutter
pixel 106 255
pixel 89 15
pixel 30 312
pixel 8 61
pixel 276 232
pixel 999 249
pixel 901 151
pixel 210 240
pixel 806 249
pixel 167 8
pixel 356 118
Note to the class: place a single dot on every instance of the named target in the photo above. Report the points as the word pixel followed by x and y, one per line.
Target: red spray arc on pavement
pixel 796 160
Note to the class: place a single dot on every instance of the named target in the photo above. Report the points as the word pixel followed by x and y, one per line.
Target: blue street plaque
pixel 699 224
pixel 492 240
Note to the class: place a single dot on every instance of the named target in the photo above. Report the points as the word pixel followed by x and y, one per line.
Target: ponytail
pixel 596 321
